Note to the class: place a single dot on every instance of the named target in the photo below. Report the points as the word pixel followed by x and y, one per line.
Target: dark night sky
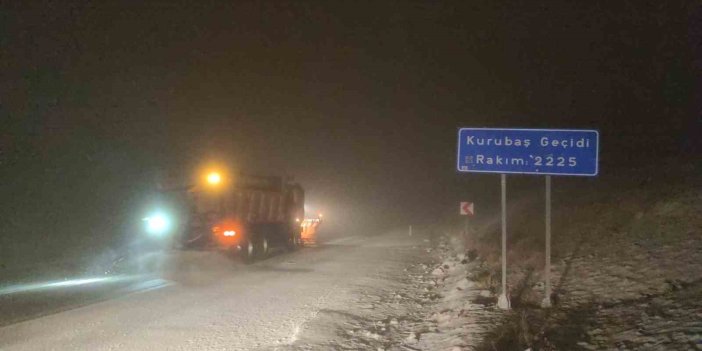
pixel 359 100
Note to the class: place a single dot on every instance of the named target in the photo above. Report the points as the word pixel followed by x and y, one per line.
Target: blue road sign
pixel 528 151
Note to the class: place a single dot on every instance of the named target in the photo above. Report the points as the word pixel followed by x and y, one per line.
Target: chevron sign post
pixel 467 208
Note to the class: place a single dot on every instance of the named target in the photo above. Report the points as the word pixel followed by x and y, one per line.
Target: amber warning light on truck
pixel 214 178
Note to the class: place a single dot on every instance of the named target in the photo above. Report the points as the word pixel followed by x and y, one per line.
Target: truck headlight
pixel 157 224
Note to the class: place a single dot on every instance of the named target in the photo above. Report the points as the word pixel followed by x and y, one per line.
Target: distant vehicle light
pixel 214 178
pixel 229 233
pixel 157 224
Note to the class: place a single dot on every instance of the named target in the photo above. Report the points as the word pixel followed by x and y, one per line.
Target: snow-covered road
pixel 214 303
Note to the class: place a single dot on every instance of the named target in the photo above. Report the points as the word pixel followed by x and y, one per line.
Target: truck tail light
pixel 227 232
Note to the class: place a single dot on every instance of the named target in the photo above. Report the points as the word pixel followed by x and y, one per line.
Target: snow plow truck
pixel 249 215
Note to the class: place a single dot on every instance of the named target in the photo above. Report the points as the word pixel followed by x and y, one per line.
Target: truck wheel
pixel 263 249
pixel 292 243
pixel 248 251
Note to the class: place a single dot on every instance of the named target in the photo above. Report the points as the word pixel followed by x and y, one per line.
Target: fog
pixel 360 102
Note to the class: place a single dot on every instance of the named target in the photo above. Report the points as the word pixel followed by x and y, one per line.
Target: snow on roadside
pixel 433 304
pixel 465 311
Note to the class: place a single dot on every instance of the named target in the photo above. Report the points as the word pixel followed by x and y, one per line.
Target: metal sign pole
pixel 466 229
pixel 503 300
pixel 547 270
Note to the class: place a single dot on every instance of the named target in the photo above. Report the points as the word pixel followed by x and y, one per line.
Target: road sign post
pixel 559 152
pixel 547 270
pixel 503 300
pixel 467 209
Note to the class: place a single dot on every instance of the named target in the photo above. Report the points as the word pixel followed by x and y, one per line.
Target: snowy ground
pixel 395 292
pixel 627 266
pixel 355 293
pixel 639 297
pixel 431 304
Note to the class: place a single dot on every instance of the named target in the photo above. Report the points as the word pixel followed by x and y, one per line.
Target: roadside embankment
pixel 627 264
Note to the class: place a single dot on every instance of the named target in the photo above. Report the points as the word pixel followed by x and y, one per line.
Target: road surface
pixel 205 301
